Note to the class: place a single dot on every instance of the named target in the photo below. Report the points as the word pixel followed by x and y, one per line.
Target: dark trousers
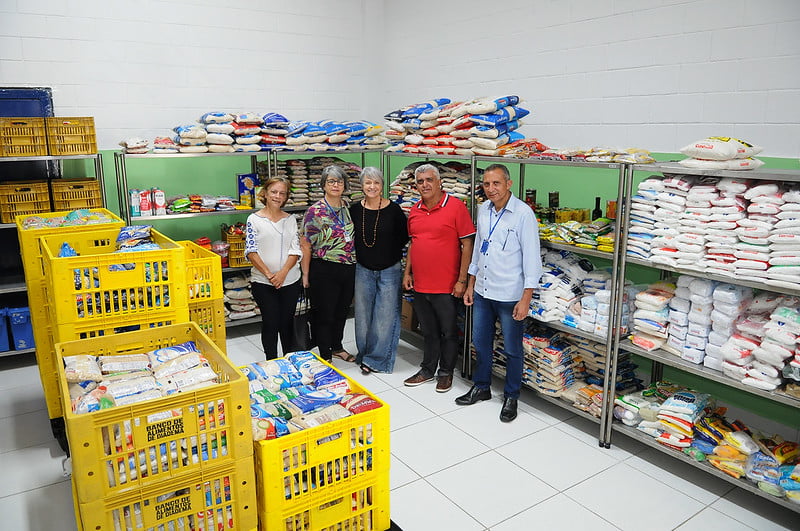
pixel 437 320
pixel 277 316
pixel 331 287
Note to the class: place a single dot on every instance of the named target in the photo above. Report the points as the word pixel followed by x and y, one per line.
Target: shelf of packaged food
pixel 541 162
pixel 47 157
pixel 17 352
pixel 575 249
pixel 561 327
pixel 241 322
pixel 500 373
pixel 236 269
pixel 759 174
pixel 745 484
pixel 666 358
pixel 762 284
pixel 196 214
pixel 13 284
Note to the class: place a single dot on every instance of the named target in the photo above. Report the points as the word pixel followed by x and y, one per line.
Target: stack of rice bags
pixel 442 127
pixel 296 172
pixel 134 146
pixel 456 179
pixel 727 215
pixel 729 303
pixel 239 302
pixel 247 132
pixel 298 392
pixel 676 418
pixel 219 127
pixel 274 127
pixel 561 285
pixel 551 361
pixel 191 138
pixel 593 282
pixel 721 153
pixel 642 229
pixel 651 318
pixel 783 236
pixel 765 339
pixel 671 249
pixel 106 381
pixel 690 318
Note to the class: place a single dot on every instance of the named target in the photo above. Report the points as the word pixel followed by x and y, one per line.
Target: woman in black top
pixel 381 233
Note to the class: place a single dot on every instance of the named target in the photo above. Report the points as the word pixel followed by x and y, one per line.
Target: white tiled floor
pixel 452 468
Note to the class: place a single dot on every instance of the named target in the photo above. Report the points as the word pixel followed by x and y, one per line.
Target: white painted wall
pixel 142 67
pixel 655 74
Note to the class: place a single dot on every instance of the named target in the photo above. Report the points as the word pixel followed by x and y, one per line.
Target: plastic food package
pixel 81 368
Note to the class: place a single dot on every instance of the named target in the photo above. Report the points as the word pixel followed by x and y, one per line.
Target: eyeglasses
pixel 334 181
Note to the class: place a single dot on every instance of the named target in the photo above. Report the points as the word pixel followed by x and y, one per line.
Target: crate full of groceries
pixel 320 437
pixel 145 407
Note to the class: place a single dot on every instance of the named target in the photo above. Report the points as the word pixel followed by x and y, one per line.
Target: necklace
pixel 374 229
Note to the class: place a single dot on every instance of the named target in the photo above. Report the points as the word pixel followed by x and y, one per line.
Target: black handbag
pixel 302 324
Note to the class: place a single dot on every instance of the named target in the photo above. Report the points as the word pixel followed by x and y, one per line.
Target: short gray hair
pixel 425 168
pixel 372 173
pixel 333 171
pixel 501 168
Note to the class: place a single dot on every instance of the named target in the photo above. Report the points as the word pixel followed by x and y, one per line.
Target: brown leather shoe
pixel 444 383
pixel 417 379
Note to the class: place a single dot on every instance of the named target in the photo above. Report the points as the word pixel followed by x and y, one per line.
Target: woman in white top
pixel 272 245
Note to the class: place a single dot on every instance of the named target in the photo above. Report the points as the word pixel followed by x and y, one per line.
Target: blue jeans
pixel 377 316
pixel 484 314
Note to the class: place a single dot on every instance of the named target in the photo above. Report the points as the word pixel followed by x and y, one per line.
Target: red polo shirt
pixel 436 243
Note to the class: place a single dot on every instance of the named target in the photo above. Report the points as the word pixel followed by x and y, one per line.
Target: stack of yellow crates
pixel 184 461
pixel 91 296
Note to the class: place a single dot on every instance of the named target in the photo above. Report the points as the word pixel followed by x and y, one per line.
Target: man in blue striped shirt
pixel 505 268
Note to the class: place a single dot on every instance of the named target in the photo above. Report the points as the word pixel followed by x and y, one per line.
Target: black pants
pixel 331 286
pixel 277 316
pixel 437 320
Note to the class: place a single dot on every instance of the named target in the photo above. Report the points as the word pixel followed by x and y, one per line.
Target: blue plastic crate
pixel 21 328
pixel 3 330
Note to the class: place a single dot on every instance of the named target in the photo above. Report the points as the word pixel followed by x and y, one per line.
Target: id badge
pixel 485 247
pixel 347 238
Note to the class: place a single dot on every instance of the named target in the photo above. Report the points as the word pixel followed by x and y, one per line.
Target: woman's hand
pixel 305 280
pixel 278 278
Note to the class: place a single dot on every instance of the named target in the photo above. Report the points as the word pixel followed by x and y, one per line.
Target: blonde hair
pixel 262 194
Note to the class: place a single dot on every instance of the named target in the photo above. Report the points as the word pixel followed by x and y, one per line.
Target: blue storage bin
pixel 21 327
pixel 3 330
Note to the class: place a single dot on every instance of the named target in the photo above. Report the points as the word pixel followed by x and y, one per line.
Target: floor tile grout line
pixel 718 496
pixel 564 492
pixel 34 488
pixel 425 479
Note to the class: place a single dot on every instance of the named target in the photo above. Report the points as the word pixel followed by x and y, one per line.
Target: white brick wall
pixel 644 73
pixel 648 73
pixel 142 68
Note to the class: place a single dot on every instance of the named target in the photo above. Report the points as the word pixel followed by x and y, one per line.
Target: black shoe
pixel 474 395
pixel 509 411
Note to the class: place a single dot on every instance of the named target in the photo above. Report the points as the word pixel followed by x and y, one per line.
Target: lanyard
pixel 341 220
pixel 491 213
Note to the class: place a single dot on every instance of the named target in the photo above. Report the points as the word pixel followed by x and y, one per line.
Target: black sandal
pixel 344 355
pixel 365 369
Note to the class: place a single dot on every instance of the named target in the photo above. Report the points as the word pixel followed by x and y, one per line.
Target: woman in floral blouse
pixel 328 264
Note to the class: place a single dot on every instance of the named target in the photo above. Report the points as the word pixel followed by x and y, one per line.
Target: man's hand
pixel 408 282
pixel 469 296
pixel 459 289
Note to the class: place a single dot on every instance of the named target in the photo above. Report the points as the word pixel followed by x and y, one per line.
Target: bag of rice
pixel 720 148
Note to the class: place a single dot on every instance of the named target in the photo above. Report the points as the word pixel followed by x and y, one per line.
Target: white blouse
pixel 274 242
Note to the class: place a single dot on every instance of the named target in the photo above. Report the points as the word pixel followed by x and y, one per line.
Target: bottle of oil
pixel 597 212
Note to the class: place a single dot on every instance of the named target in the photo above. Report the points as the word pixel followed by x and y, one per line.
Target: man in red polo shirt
pixel 441 232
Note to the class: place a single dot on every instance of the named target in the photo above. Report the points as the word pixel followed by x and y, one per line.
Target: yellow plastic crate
pixel 100 284
pixel 131 447
pixel 50 334
pixel 30 239
pixel 210 317
pixel 19 198
pixel 236 246
pixel 71 135
pixel 203 272
pixel 218 499
pixel 22 137
pixel 362 506
pixel 72 194
pixel 306 469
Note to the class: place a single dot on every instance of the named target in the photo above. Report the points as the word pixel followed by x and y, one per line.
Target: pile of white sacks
pixel 731 227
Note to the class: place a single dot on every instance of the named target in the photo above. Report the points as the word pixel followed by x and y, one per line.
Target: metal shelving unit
pixel 661 358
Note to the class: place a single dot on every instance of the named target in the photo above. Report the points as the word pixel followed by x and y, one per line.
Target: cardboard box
pixel 408 320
